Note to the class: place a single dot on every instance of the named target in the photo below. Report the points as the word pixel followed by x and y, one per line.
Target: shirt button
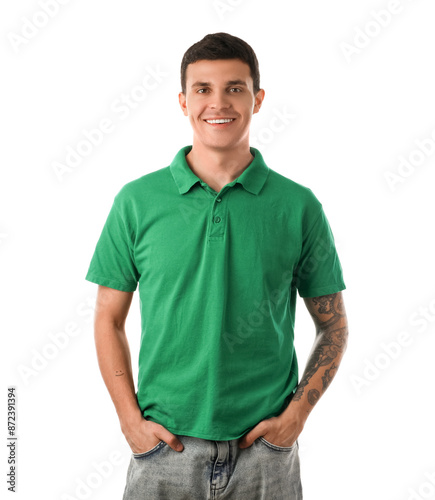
pixel 218 200
pixel 217 219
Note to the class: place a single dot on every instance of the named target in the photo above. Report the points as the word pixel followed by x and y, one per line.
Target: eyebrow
pixel 230 82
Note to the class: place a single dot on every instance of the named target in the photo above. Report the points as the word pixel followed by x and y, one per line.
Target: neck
pixel 218 167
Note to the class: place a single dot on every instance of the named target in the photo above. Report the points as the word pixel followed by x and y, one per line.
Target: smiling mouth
pixel 220 121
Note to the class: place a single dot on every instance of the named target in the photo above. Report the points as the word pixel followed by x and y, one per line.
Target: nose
pixel 220 100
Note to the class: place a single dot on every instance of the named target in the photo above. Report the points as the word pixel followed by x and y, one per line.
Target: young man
pixel 220 245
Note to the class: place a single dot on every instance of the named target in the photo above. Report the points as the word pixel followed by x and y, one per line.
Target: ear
pixel 183 105
pixel 258 100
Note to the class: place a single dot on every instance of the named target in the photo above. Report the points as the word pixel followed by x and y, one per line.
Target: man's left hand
pixel 275 430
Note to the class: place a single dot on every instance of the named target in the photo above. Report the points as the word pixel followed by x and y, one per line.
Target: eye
pixel 236 88
pixel 199 90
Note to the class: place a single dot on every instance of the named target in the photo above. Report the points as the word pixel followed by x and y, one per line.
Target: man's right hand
pixel 142 435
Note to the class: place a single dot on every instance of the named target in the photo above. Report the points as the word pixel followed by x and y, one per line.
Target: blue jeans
pixel 215 470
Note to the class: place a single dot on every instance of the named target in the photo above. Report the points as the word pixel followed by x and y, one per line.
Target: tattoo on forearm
pixel 119 373
pixel 313 396
pixel 331 344
pixel 328 376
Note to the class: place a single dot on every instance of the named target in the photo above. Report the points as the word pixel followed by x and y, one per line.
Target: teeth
pixel 220 121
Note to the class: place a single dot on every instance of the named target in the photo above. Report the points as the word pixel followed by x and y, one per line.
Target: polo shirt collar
pixel 252 179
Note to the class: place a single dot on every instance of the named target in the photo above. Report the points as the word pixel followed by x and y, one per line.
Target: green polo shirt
pixel 218 275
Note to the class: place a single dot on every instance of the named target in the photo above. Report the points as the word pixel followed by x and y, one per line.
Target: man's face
pixel 220 89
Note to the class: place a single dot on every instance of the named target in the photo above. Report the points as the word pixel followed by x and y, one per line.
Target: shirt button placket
pixel 217 218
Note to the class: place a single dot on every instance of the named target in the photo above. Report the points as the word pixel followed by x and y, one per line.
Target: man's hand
pixel 279 430
pixel 144 434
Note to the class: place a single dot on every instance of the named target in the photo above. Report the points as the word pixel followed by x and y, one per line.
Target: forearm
pixel 114 360
pixel 322 365
pixel 330 319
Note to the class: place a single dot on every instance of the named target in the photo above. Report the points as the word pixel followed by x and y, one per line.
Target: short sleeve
pixel 112 263
pixel 318 271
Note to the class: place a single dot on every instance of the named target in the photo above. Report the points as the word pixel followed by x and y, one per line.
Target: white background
pixel 371 435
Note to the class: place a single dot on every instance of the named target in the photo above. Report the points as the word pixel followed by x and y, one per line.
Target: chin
pixel 223 144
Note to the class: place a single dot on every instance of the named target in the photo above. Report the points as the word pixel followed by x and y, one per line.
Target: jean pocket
pixel 276 447
pixel 159 445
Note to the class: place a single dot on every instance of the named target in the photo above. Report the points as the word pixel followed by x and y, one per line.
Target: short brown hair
pixel 221 46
